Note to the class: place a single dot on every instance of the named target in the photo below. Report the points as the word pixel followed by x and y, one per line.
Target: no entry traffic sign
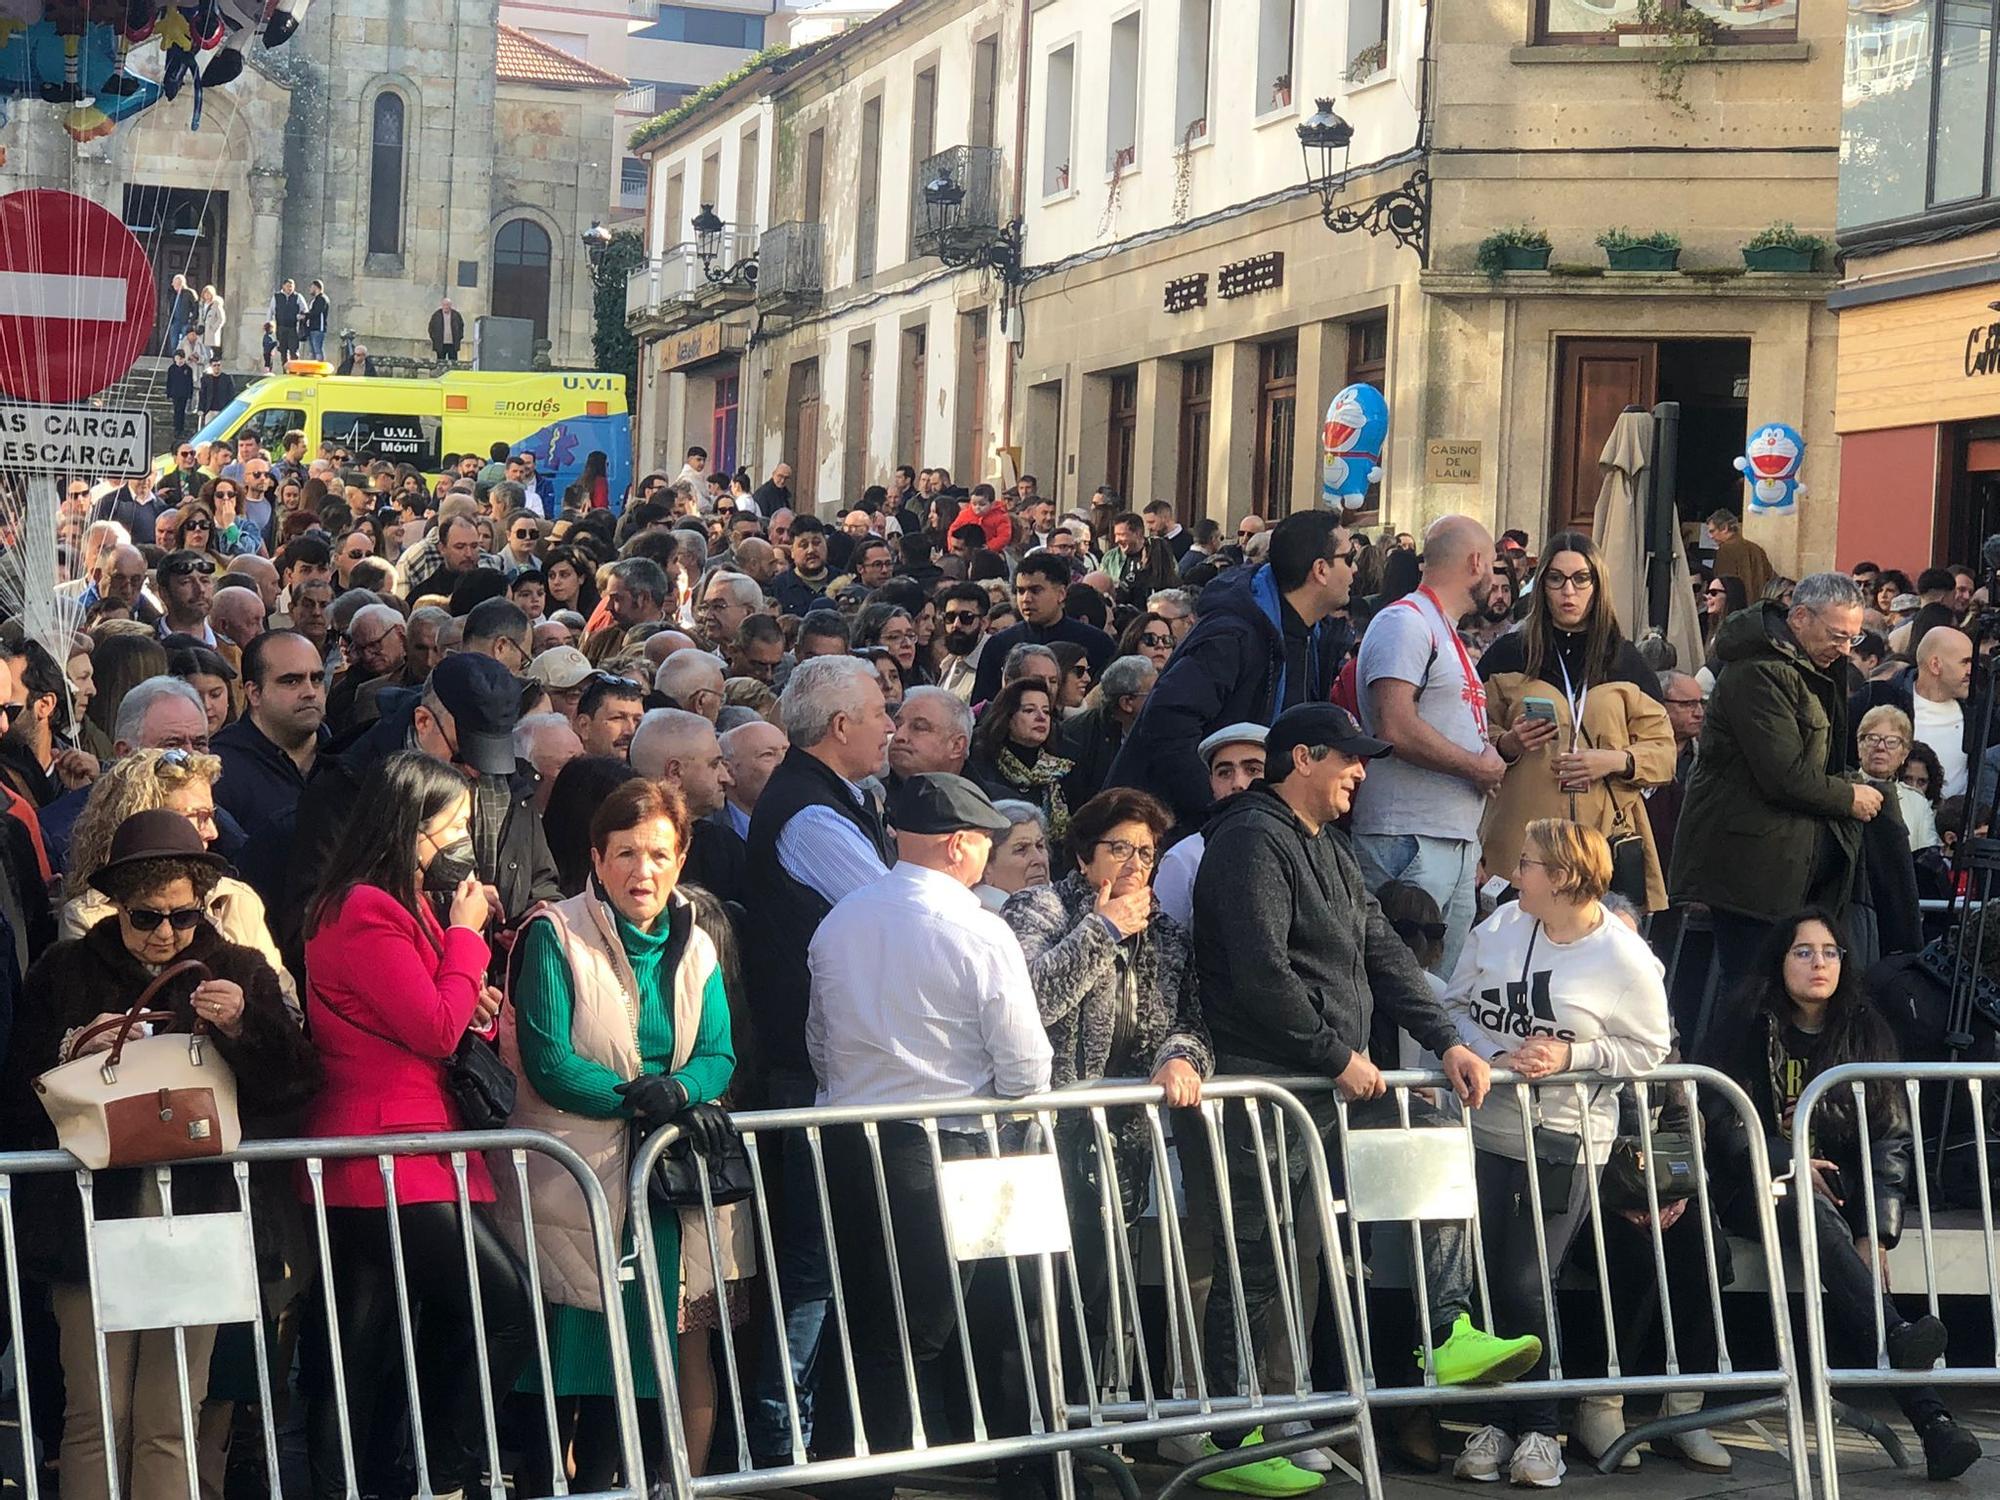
pixel 76 297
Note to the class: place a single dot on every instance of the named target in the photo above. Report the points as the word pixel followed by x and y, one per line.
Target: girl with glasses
pixel 1802 1010
pixel 1580 722
pixel 153 880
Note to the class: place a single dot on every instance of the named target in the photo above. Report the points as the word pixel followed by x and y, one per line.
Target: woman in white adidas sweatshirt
pixel 1552 984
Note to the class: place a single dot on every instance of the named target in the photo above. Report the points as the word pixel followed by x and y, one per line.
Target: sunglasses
pixel 1430 932
pixel 181 918
pixel 197 524
pixel 192 565
pixel 1150 639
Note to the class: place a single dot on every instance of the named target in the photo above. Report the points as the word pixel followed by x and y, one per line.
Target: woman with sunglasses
pixel 181 781
pixel 155 878
pixel 196 530
pixel 1579 722
pixel 1149 636
pixel 234 536
pixel 1720 598
pixel 1803 1009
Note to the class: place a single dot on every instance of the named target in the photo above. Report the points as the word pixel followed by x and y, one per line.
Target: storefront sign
pixel 1982 350
pixel 1451 461
pixel 1260 273
pixel 1187 292
pixel 693 345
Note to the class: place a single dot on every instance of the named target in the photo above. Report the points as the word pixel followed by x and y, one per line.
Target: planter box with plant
pixel 1517 248
pixel 1783 248
pixel 1659 251
pixel 1281 91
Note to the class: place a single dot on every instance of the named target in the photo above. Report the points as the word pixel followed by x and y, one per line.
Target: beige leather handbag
pixel 150 1098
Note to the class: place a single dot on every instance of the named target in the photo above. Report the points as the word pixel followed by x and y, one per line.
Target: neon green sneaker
pixel 1278 1477
pixel 1472 1356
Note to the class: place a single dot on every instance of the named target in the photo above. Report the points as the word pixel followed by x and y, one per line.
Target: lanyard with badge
pixel 1575 694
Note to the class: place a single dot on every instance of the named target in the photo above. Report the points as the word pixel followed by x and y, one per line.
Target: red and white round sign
pixel 76 297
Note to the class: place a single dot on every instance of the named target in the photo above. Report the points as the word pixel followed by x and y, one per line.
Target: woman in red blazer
pixel 389 993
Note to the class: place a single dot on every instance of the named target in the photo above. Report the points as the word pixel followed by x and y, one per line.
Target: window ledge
pixel 1735 52
pixel 1061 195
pixel 1373 81
pixel 1281 113
pixel 1122 174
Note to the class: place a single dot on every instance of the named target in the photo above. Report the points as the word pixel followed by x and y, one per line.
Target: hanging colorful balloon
pixel 1357 421
pixel 1770 464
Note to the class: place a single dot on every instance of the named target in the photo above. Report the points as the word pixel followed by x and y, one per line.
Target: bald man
pixel 237 615
pixel 1417 820
pixel 693 679
pixel 753 752
pixel 680 748
pixel 1937 702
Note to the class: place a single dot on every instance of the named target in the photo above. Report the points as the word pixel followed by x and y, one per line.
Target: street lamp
pixel 1403 212
pixel 596 240
pixel 944 205
pixel 708 234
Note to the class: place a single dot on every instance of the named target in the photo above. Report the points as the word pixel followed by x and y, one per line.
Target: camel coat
pixel 1616 716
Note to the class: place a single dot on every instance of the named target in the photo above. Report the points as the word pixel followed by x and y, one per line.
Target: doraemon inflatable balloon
pixel 1357 421
pixel 1770 465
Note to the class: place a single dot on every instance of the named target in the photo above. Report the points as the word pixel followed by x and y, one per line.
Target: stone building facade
pixel 398 150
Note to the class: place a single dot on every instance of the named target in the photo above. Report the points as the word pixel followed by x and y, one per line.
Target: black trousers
pixel 1514 1269
pixel 448 1375
pixel 926 1268
pixel 587 1426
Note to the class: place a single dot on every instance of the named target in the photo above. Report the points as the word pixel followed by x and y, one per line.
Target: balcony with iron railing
pixel 790 265
pixel 694 279
pixel 973 179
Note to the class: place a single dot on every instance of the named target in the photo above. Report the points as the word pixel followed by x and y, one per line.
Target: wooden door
pixel 1596 380
pixel 802 434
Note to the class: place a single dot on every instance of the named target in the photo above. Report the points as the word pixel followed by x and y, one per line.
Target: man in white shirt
pixel 918 993
pixel 1234 755
pixel 1937 707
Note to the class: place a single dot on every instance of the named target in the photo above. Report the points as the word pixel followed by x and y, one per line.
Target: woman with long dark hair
pixel 1011 757
pixel 390 994
pixel 1721 597
pixel 572 580
pixel 1579 719
pixel 1801 1011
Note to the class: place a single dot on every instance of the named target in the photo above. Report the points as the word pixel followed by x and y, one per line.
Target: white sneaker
pixel 1182 1449
pixel 1538 1463
pixel 1600 1422
pixel 1483 1456
pixel 1315 1460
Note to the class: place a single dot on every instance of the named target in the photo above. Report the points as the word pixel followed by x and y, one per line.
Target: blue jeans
pixel 1447 870
pixel 316 340
pixel 805 1284
pixel 176 331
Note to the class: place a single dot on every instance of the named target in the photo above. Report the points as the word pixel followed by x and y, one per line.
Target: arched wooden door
pixel 522 259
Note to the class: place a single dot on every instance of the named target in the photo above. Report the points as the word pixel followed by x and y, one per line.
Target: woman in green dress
pixel 620 1016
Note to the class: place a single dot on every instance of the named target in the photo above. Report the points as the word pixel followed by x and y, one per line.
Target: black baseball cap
pixel 1316 726
pixel 484 701
pixel 938 802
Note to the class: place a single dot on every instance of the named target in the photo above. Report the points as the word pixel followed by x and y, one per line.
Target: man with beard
pixel 187 588
pixel 804 584
pixel 1493 618
pixel 607 714
pixel 464 716
pixel 962 627
pixel 681 748
pixel 32 757
pixel 269 753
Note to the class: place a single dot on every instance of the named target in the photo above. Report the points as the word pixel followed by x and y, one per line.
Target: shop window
pixel 1059 125
pixel 1121 96
pixel 1197 410
pixel 1599 21
pixel 1122 436
pixel 1277 26
pixel 1277 428
pixel 1191 82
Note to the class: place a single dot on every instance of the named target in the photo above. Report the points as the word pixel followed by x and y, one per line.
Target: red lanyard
pixel 1474 691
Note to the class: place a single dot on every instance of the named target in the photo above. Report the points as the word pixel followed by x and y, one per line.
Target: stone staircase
pixel 145 388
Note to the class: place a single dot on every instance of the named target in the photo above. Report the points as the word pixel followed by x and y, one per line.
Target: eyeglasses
pixel 1123 850
pixel 1409 931
pixel 199 565
pixel 1346 555
pixel 1583 581
pixel 1805 953
pixel 526 536
pixel 178 758
pixel 1524 863
pixel 1882 741
pixel 1715 591
pixel 181 918
pixel 1152 639
pixel 1687 703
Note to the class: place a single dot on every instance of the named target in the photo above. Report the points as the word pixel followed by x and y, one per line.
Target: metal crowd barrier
pixel 997 1170
pixel 1955 1251
pixel 181 1271
pixel 1407 1174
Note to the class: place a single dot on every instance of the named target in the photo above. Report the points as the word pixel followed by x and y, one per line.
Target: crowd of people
pixel 690 801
